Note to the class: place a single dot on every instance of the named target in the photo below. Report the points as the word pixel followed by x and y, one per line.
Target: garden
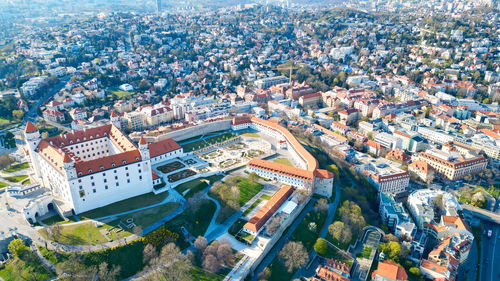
pixel 283 161
pixel 202 143
pixel 170 167
pixel 16 178
pixel 195 219
pixel 181 175
pixel 252 153
pixel 236 146
pixel 212 155
pixel 196 185
pixel 16 167
pixel 228 163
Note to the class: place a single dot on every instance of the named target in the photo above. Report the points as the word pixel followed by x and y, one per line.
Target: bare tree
pixel 201 243
pixel 170 265
pixel 212 249
pixel 210 263
pixel 274 225
pixel 108 274
pixel 225 254
pixel 293 255
pixel 322 205
pixel 149 253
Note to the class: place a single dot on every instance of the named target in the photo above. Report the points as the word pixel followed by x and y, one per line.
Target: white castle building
pixel 95 167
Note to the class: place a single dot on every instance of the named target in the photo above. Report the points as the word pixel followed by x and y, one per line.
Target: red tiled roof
pixel 391 271
pixel 142 141
pixel 264 213
pixel 162 147
pixel 30 128
pixel 281 169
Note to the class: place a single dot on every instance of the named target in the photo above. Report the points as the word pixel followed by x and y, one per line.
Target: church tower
pixel 33 138
pixel 143 149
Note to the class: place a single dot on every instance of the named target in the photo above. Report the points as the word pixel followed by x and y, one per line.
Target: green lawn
pixel 249 134
pixel 57 220
pixel 78 234
pixel 237 226
pixel 305 235
pixel 16 178
pixel 279 271
pixel 283 161
pixel 122 94
pixel 199 274
pixel 125 205
pixel 197 185
pixel 266 197
pixel 2 184
pixel 17 167
pixel 4 123
pixel 248 189
pixel 149 216
pixel 196 223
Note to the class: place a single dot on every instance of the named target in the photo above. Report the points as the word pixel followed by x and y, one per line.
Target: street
pixel 490 253
pixel 31 114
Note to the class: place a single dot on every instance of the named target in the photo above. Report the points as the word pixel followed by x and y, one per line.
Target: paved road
pixel 284 238
pixel 31 114
pixel 490 254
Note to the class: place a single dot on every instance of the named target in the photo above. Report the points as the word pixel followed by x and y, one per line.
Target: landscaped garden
pixel 16 178
pixel 228 163
pixel 181 175
pixel 170 167
pixel 125 205
pixel 236 146
pixel 2 184
pixel 254 153
pixel 202 143
pixel 236 227
pixel 16 167
pixel 212 155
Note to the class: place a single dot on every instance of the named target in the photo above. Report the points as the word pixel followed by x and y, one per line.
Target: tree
pixel 335 230
pixel 321 246
pixel 293 255
pixel 17 248
pixel 74 269
pixel 265 274
pixel 200 243
pixel 170 265
pixel 274 225
pixel 210 263
pixel 108 274
pixel 391 249
pixel 225 254
pixel 322 205
pixel 149 253
pixel 414 271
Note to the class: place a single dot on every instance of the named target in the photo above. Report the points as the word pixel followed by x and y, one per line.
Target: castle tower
pixel 143 149
pixel 32 138
pixel 115 120
pixel 69 167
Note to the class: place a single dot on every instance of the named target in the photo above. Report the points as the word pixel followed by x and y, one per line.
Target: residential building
pixel 389 271
pixel 395 216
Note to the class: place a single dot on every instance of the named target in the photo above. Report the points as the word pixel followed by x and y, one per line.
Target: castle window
pixel 105 187
pixel 94 190
pixel 128 180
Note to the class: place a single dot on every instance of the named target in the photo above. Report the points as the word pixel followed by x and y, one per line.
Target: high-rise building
pixel 158 7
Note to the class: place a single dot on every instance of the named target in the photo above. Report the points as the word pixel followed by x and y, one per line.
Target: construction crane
pixel 292 67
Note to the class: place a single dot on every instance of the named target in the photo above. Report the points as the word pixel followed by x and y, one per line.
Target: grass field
pixel 283 161
pixel 305 235
pixel 122 94
pixel 254 204
pixel 4 123
pixel 57 220
pixel 17 167
pixel 248 189
pixel 196 223
pixel 266 197
pixel 2 184
pixel 88 234
pixel 125 205
pixel 251 135
pixel 16 178
pixel 279 271
pixel 197 185
pixel 78 234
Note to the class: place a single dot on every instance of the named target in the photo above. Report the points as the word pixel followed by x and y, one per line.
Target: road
pixel 31 114
pixel 490 254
